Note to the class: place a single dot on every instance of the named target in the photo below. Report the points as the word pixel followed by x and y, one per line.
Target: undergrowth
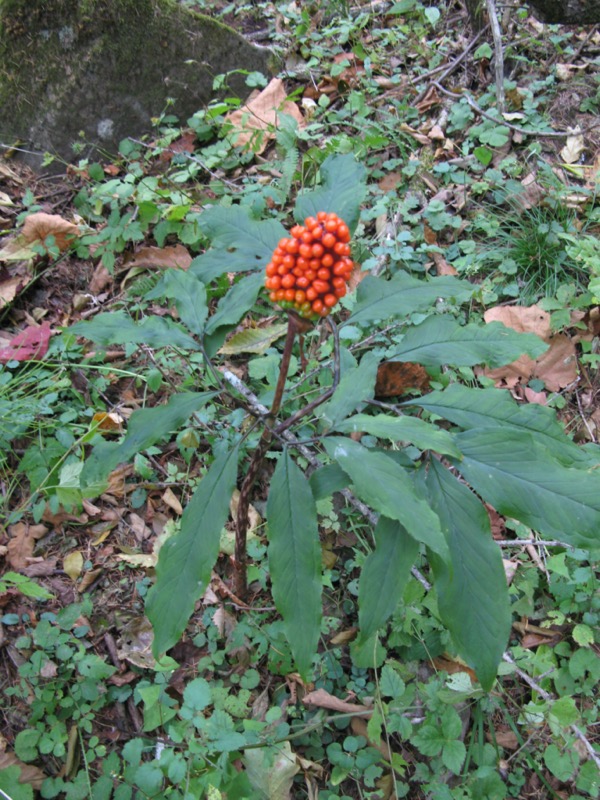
pixel 383 675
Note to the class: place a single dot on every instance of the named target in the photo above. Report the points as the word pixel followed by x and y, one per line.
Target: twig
pixel 504 123
pixel 532 542
pixel 498 55
pixel 240 574
pixel 595 756
pixel 592 32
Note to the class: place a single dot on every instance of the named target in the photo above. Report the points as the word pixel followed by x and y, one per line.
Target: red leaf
pixel 31 343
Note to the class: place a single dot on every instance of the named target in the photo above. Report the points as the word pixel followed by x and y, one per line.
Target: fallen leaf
pixel 510 569
pixel 186 143
pixel 140 530
pixel 557 367
pixel 135 645
pixel 10 288
pixel 31 343
pixel 573 148
pixel 256 121
pixel 394 378
pixel 73 564
pixel 271 771
pixel 172 257
pixel 21 543
pixel 442 267
pixel 430 100
pixel 100 279
pixel 172 501
pixel 108 422
pixel 36 231
pixel 343 637
pixel 452 665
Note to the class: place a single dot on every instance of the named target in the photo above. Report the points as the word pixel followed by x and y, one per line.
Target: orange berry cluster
pixel 309 271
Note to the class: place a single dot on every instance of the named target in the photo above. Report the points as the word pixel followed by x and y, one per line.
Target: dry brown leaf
pixel 21 543
pixel 256 121
pixel 173 257
pixel 394 378
pixel 9 289
pixel 343 637
pixel 108 422
pixel 557 367
pixel 36 230
pixel 430 100
pixel 390 180
pixel 140 530
pixel 322 699
pixel 504 738
pixel 38 227
pixel 452 665
pixel 573 148
pixel 172 501
pixel 442 267
pixel 100 279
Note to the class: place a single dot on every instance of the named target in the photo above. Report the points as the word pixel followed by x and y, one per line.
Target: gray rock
pixel 92 72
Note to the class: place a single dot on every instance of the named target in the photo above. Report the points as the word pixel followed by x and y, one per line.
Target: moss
pixel 107 67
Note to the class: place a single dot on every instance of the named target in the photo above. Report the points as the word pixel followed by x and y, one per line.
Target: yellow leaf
pixel 73 564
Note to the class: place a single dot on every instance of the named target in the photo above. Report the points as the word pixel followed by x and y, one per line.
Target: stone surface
pixel 93 72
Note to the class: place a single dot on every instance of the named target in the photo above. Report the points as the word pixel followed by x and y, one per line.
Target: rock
pixel 78 76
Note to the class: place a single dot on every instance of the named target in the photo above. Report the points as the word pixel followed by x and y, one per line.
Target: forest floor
pixel 501 193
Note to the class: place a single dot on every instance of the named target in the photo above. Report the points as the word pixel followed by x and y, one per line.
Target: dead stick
pixel 240 577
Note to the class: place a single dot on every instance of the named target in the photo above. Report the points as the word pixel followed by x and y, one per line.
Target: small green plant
pixel 514 458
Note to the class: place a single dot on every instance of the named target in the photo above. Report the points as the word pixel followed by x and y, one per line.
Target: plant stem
pixel 240 579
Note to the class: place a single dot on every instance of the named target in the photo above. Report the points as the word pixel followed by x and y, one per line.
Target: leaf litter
pixel 253 126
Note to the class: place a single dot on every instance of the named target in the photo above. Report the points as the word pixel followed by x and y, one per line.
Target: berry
pixel 308 272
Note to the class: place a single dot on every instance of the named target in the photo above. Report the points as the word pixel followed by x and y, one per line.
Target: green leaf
pixel 343 187
pixel 561 764
pixel 390 683
pixel 495 408
pixel 388 488
pixel 356 385
pixel 483 154
pixel 472 591
pixel 254 340
pixel 146 426
pixel 189 295
pixel 379 299
pixel 423 435
pixel 327 480
pixel 517 476
pixel 441 340
pixel 432 15
pixel 117 327
pixel 236 303
pixel 295 559
pixel 24 585
pixel 10 786
pixel 238 300
pixel 197 695
pixel 384 575
pixel 240 243
pixel 186 560
pixel 483 51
